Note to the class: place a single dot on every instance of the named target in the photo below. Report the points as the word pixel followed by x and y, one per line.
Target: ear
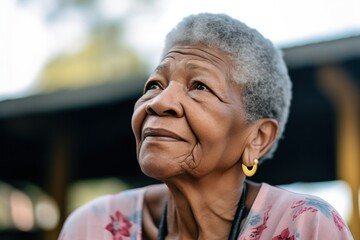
pixel 261 139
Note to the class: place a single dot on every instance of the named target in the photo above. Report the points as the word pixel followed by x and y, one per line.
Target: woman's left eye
pixel 200 86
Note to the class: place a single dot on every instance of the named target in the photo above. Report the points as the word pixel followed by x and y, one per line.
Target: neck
pixel 203 208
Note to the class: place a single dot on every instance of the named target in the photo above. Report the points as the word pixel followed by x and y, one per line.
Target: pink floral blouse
pixel 276 214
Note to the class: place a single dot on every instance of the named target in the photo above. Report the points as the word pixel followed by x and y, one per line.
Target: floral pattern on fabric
pixel 308 205
pixel 338 220
pixel 276 214
pixel 257 231
pixel 313 205
pixel 302 210
pixel 284 235
pixel 119 226
pixel 321 205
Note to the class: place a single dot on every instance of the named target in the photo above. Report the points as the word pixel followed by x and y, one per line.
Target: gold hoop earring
pixel 250 172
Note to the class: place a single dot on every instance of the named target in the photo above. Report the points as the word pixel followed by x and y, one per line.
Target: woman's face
pixel 191 118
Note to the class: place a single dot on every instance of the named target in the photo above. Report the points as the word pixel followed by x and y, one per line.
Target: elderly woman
pixel 213 109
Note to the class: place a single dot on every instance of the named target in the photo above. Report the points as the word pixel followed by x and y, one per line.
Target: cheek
pixel 214 124
pixel 137 120
pixel 221 135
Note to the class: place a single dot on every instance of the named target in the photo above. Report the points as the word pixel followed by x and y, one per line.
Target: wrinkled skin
pixel 190 119
pixel 192 134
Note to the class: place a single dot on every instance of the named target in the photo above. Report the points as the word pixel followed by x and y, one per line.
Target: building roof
pixel 323 52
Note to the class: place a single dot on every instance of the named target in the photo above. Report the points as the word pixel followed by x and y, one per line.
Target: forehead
pixel 198 54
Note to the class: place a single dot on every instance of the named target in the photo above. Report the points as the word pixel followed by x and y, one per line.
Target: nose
pixel 167 103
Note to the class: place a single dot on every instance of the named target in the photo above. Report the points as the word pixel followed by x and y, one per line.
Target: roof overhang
pixel 322 53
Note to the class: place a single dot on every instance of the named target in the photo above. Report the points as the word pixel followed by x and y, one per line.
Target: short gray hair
pixel 259 67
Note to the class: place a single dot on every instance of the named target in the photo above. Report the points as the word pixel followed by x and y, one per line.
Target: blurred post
pixel 343 92
pixel 58 171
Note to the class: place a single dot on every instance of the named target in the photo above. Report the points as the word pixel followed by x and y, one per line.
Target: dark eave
pixel 72 98
pixel 322 53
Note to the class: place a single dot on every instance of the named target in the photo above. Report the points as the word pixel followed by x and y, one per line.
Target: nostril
pixel 150 111
pixel 171 112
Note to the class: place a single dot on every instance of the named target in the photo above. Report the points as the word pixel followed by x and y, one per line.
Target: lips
pixel 160 134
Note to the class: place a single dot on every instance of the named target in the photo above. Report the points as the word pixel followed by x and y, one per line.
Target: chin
pixel 157 171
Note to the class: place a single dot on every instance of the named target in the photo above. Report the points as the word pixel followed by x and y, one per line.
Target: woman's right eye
pixel 153 85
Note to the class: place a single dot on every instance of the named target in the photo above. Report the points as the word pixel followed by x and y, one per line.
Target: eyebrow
pixel 161 68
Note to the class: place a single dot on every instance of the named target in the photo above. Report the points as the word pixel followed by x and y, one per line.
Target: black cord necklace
pixel 235 226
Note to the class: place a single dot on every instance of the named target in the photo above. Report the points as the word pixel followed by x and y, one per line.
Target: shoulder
pixel 97 218
pixel 299 215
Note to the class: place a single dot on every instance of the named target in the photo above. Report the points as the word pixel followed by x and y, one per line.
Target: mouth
pixel 160 134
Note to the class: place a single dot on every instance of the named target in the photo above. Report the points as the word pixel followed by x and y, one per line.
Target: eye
pixel 152 85
pixel 200 86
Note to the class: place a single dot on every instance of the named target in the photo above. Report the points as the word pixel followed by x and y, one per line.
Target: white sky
pixel 27 41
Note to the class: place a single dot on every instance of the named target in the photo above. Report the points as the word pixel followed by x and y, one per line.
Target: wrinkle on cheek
pixel 191 161
pixel 137 124
pixel 138 119
pixel 138 147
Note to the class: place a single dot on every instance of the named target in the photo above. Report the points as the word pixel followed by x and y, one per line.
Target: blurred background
pixel 71 70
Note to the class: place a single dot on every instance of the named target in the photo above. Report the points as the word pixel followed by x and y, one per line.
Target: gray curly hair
pixel 258 65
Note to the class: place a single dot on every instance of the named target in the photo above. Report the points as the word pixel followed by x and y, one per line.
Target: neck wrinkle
pixel 203 209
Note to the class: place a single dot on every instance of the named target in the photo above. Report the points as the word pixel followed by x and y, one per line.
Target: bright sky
pixel 27 41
